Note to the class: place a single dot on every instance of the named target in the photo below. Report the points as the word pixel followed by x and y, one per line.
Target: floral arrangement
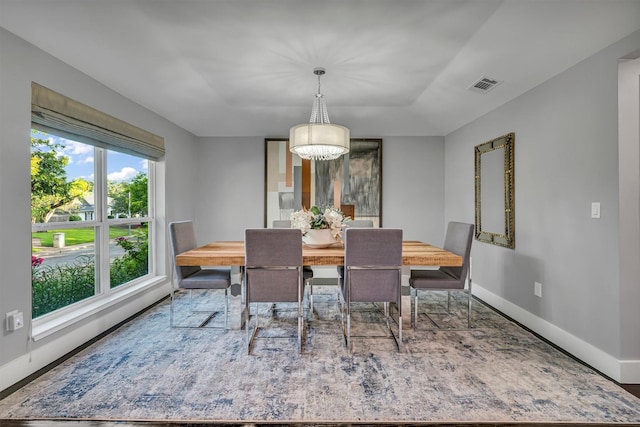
pixel 315 219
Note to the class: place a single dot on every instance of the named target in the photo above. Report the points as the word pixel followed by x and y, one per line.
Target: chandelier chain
pixel 319 114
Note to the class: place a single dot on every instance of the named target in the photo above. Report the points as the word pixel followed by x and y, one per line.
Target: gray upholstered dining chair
pixel 355 223
pixel 182 238
pixel 281 223
pixel 307 271
pixel 273 273
pixel 372 262
pixel 360 223
pixel 458 240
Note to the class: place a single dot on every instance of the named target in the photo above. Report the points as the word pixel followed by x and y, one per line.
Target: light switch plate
pixel 595 210
pixel 537 289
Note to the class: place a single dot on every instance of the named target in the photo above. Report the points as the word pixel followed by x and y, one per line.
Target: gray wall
pixel 230 186
pixel 21 64
pixel 566 156
pixel 413 187
pixel 629 161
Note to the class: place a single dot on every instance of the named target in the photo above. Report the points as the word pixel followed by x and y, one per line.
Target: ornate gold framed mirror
pixel 495 202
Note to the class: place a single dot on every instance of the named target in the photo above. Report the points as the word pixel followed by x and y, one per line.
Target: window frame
pixel 142 144
pixel 105 296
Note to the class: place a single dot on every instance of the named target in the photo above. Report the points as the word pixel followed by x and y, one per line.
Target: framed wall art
pixel 352 182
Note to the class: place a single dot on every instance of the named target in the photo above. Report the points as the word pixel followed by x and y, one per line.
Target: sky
pixel 120 166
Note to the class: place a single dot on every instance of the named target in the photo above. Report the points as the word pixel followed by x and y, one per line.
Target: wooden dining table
pixel 231 253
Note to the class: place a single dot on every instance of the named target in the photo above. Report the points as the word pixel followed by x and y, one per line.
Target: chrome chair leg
pixel 311 297
pixel 300 333
pixel 300 320
pixel 349 331
pixel 469 297
pixel 415 304
pixel 247 327
pixel 309 284
pixel 342 320
pixel 226 309
pixel 400 345
pixel 171 308
pixel 251 332
pixel 415 309
pixel 386 314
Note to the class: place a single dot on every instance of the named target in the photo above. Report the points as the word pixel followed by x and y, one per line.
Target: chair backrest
pixel 360 223
pixel 372 247
pixel 182 238
pixel 458 240
pixel 282 223
pixel 268 252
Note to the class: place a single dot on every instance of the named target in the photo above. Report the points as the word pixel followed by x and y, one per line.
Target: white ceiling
pixel 394 67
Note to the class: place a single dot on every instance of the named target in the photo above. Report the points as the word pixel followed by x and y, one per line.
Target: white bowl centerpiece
pixel 320 229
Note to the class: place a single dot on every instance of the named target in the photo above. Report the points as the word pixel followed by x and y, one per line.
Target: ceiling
pixel 394 67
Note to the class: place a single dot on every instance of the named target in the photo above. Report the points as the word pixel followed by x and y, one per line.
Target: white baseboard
pixel 20 368
pixel 622 371
pixel 630 371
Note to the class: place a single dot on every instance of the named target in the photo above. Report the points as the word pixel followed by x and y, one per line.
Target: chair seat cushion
pixel 434 279
pixel 219 278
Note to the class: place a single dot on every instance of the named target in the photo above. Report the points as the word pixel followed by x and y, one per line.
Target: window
pixel 92 203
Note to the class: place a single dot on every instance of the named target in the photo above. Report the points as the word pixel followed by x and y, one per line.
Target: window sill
pixel 43 328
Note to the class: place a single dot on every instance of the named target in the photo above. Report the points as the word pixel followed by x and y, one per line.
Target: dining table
pixel 231 253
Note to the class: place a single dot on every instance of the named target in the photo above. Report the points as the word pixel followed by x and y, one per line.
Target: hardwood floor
pixel 632 388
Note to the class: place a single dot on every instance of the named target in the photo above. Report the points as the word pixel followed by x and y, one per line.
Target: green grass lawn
pixel 76 236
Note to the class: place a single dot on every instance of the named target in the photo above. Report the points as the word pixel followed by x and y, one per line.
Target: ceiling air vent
pixel 484 85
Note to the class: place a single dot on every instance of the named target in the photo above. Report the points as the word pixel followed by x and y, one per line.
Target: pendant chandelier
pixel 319 139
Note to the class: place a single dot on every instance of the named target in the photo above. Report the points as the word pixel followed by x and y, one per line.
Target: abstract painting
pixel 352 182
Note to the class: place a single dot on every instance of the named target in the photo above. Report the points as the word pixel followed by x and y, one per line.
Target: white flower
pixel 302 220
pixel 334 220
pixel 314 218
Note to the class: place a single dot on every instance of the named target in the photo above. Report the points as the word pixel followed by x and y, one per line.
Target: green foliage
pixel 58 286
pixel 119 195
pixel 49 186
pixel 138 189
pixel 75 218
pixel 135 262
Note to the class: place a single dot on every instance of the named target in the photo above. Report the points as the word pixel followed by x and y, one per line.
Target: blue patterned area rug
pixel 494 373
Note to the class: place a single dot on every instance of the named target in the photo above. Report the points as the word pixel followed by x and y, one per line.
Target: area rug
pixel 495 372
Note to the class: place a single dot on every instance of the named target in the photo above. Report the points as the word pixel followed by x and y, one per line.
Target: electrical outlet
pixel 537 289
pixel 14 320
